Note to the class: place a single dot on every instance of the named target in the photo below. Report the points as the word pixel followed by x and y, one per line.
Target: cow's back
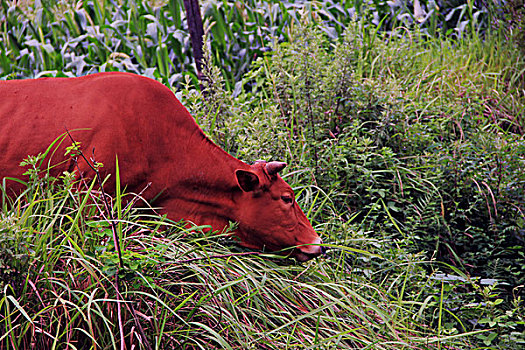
pixel 118 114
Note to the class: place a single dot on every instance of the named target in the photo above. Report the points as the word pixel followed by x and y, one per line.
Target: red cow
pixel 156 140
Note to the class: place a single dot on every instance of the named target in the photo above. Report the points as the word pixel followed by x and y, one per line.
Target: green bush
pixel 448 169
pixel 416 154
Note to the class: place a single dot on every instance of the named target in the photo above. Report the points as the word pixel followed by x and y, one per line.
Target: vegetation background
pixel 403 125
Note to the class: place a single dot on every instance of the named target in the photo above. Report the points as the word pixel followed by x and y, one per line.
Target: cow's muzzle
pixel 307 252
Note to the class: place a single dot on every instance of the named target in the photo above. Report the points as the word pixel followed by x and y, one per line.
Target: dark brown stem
pixel 311 116
pixel 194 20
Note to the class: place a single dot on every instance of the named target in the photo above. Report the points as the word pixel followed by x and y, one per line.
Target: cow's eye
pixel 287 198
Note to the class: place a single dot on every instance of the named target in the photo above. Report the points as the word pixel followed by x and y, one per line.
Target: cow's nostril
pixel 311 250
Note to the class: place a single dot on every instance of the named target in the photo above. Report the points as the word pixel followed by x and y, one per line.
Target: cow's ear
pixel 247 180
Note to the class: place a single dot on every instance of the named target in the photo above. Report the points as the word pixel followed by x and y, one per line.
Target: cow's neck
pixel 207 190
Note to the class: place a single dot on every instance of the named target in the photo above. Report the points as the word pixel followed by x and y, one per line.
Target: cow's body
pixel 156 141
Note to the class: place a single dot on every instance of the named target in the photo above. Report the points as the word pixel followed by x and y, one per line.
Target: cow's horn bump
pixel 274 167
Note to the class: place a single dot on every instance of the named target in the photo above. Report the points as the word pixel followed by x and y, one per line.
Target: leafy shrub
pixel 439 174
pixel 393 163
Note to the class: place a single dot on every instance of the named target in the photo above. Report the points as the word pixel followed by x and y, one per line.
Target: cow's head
pixel 269 217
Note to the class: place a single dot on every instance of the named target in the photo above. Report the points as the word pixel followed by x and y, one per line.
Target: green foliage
pixel 449 166
pixel 67 38
pixel 511 21
pixel 417 143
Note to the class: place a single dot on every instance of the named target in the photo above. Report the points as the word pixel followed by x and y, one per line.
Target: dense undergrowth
pixel 181 288
pixel 418 144
pixel 406 151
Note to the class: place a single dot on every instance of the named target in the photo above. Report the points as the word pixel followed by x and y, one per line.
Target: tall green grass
pixel 63 286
